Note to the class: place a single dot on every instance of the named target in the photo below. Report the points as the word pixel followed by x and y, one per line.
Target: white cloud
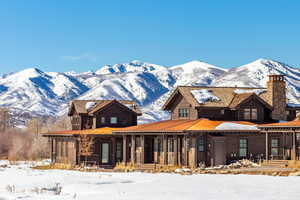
pixel 83 57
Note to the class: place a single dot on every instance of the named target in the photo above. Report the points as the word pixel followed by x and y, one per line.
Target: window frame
pixel 243 146
pixel 113 122
pixel 183 112
pixel 200 144
pixel 250 114
pixel 276 148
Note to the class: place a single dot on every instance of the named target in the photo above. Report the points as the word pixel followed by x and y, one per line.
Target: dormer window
pixel 183 112
pixel 250 114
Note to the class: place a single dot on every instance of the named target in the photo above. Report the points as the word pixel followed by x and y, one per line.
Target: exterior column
pixel 175 153
pixel 165 150
pixel 113 148
pixel 267 146
pixel 133 149
pixel 125 149
pixel 179 158
pixel 142 149
pixel 185 144
pixel 294 152
pixel 51 153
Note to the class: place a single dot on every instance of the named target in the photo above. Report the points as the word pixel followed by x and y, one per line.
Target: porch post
pixel 175 153
pixel 185 144
pixel 124 149
pixel 113 148
pixel 267 146
pixel 143 149
pixel 179 151
pixel 165 149
pixel 294 153
pixel 52 153
pixel 133 149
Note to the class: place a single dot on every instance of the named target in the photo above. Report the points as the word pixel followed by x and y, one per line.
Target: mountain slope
pixel 38 93
pixel 255 74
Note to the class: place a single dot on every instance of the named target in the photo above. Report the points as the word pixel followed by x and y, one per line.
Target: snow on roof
pixel 235 126
pixel 204 95
pixel 90 105
pixel 256 91
pixel 294 105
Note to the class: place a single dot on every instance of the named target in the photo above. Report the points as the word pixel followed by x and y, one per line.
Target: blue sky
pixel 84 35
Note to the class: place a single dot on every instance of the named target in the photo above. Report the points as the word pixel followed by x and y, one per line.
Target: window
pixel 250 114
pixel 254 113
pixel 113 120
pixel 102 120
pixel 275 147
pixel 200 144
pixel 222 112
pixel 243 147
pixel 183 112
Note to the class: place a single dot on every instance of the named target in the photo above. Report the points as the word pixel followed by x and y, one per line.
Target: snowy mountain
pixel 255 74
pixel 37 93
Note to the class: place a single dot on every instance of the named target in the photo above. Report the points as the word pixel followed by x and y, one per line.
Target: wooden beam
pixel 267 146
pixel 165 150
pixel 142 149
pixel 125 144
pixel 175 153
pixel 294 152
pixel 133 160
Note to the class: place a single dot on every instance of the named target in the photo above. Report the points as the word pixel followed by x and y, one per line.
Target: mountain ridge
pixel 49 93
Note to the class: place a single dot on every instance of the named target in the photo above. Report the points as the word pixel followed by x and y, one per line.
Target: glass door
pixel 105 153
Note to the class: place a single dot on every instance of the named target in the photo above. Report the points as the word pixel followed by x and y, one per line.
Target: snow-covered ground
pixel 21 182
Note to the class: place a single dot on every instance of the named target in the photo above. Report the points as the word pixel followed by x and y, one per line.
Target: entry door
pixel 219 151
pixel 105 153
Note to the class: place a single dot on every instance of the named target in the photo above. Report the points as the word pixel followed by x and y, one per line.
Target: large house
pixel 208 126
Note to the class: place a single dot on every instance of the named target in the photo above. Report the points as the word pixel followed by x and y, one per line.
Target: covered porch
pixel 282 140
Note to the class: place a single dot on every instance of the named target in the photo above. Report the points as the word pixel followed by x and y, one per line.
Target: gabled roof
pixel 225 95
pixel 80 106
pixel 238 99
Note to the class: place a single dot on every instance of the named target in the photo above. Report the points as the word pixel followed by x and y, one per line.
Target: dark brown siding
pixel 124 117
pixel 181 102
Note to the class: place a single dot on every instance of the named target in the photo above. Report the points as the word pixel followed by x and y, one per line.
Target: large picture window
pixel 183 112
pixel 250 114
pixel 243 147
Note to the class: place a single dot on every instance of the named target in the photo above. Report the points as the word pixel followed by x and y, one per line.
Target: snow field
pixel 28 184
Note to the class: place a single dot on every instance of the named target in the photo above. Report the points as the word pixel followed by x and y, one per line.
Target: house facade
pixel 208 126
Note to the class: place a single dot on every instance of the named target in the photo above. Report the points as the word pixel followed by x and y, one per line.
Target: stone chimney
pixel 277 96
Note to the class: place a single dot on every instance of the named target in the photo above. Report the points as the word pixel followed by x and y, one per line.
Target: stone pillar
pixel 142 149
pixel 165 150
pixel 267 146
pixel 133 149
pixel 175 148
pixel 125 144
